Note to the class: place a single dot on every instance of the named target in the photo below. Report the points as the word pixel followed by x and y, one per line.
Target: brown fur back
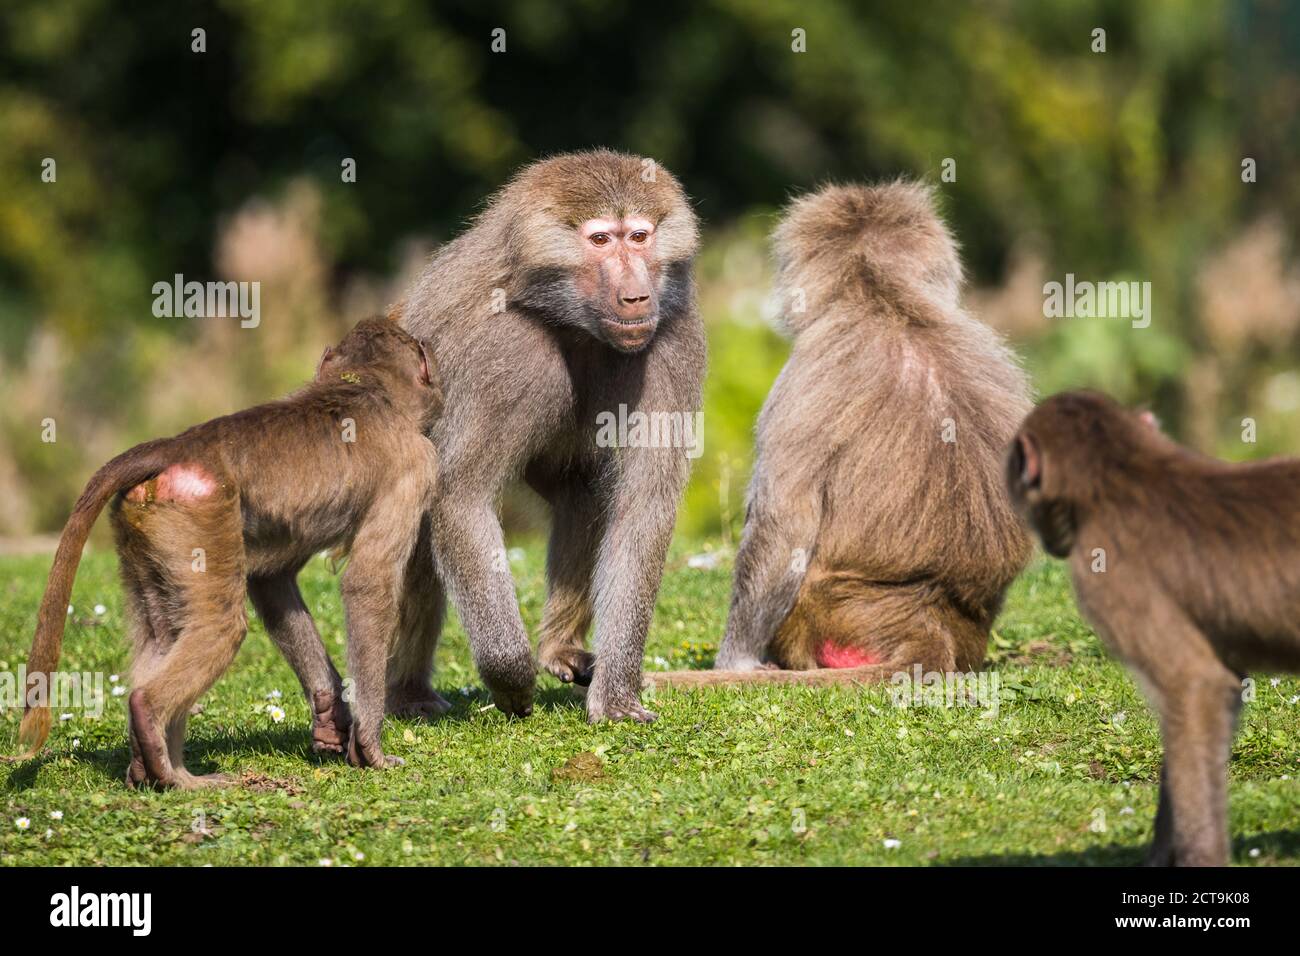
pixel 914 540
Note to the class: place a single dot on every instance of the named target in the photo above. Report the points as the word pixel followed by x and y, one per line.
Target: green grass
pixel 1063 773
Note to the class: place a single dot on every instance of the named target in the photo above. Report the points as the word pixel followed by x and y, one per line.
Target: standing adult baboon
pixel 571 295
pixel 878 533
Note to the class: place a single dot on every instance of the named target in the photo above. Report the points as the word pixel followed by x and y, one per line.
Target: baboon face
pixel 618 279
pixel 1050 517
pixel 1062 460
pixel 601 242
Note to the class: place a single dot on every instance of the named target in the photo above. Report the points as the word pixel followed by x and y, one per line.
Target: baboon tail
pixel 123 472
pixel 817 677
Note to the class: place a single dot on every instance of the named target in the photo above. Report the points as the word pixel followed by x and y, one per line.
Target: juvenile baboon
pixel 570 296
pixel 240 504
pixel 1188 568
pixel 878 533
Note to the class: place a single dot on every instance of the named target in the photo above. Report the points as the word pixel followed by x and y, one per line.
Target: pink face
pixel 619 278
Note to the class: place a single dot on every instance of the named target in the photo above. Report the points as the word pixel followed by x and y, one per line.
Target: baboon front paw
pixel 619 710
pixel 513 703
pixel 573 665
pixel 370 754
pixel 330 724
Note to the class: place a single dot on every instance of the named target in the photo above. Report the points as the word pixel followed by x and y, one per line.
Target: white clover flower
pixel 119 690
pixel 325 861
pixel 1125 811
pixel 358 856
pixel 1254 851
pixel 112 678
pixel 76 742
pixel 99 610
pixel 56 814
pixel 274 695
pixel 65 716
pixel 893 844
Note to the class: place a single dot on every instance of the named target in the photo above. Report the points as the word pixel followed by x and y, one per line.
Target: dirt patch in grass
pixel 584 767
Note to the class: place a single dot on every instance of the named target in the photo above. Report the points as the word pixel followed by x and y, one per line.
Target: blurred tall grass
pixel 1247 301
pixel 1122 165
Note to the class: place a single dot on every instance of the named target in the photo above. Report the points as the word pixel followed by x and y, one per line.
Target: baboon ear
pixel 1029 462
pixel 1148 417
pixel 324 357
pixel 425 376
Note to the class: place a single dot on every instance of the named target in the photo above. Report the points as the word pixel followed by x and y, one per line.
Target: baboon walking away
pixel 878 534
pixel 570 297
pixel 1188 568
pixel 238 505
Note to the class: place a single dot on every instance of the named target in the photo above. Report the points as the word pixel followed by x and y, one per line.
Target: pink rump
pixel 178 483
pixel 830 654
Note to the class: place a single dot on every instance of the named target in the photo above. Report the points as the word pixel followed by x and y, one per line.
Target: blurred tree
pixel 1117 164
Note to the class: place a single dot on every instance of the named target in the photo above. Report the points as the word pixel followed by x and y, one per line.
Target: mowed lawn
pixel 1063 773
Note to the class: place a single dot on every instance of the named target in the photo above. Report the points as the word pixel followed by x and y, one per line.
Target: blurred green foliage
pixel 1118 164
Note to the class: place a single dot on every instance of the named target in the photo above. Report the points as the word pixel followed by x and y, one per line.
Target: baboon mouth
pixel 629 335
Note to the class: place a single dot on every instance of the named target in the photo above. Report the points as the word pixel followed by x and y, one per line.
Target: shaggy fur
pixel 508 310
pixel 869 539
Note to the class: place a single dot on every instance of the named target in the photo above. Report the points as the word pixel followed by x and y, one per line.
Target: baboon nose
pixel 634 305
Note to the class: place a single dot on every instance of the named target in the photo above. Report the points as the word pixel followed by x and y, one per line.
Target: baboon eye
pixel 599 238
pixel 639 236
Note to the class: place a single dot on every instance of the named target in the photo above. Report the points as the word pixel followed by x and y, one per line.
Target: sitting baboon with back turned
pixel 570 296
pixel 1189 569
pixel 240 504
pixel 878 533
